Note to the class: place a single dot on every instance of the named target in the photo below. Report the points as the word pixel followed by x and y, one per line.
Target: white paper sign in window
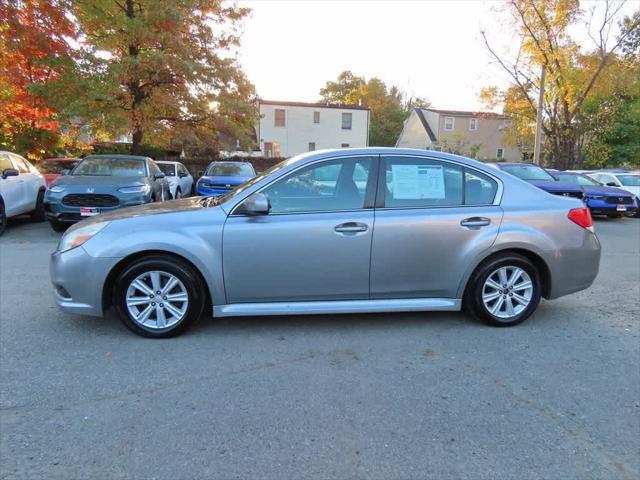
pixel 411 182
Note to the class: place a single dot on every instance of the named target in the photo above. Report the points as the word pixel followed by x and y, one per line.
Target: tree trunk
pixel 136 141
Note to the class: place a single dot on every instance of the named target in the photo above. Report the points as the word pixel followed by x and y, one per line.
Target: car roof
pixel 118 156
pixel 173 162
pixel 231 161
pixel 62 159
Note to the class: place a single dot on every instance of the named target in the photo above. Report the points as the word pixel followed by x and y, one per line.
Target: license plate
pixel 621 208
pixel 89 211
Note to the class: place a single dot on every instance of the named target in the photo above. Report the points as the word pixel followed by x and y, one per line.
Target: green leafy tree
pixel 155 69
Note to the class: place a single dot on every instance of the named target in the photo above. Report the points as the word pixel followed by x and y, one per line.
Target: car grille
pixel 619 200
pixel 579 195
pixel 218 186
pixel 90 200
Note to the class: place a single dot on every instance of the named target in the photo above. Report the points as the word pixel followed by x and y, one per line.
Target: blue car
pixel 222 177
pixel 601 200
pixel 538 176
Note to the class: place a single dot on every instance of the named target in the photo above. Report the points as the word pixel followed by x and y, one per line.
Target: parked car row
pixel 613 193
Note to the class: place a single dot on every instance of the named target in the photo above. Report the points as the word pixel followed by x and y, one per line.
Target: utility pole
pixel 538 140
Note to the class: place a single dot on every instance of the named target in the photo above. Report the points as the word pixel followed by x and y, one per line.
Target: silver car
pixel 336 231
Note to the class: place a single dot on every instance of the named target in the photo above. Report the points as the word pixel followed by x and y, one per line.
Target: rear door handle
pixel 351 227
pixel 475 222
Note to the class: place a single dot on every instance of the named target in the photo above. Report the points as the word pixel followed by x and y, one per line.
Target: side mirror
pixel 256 204
pixel 65 171
pixel 611 184
pixel 158 175
pixel 10 172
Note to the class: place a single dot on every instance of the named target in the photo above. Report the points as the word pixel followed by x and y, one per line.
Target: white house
pixel 289 128
pixel 476 134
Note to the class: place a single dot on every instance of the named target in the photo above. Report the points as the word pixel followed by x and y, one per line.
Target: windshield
pixel 527 172
pixel 257 178
pixel 575 179
pixel 230 170
pixel 169 169
pixel 56 166
pixel 629 180
pixel 111 167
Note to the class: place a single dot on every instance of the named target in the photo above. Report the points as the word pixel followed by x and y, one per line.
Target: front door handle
pixel 475 222
pixel 351 227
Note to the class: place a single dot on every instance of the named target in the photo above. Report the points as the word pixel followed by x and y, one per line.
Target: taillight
pixel 582 217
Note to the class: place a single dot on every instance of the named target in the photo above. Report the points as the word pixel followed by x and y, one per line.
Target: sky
pixel 428 48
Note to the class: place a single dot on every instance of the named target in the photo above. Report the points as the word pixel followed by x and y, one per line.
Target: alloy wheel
pixel 507 292
pixel 157 300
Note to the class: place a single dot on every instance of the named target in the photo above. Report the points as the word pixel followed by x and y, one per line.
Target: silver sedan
pixel 344 231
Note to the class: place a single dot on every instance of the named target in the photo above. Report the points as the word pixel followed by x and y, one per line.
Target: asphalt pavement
pixel 380 396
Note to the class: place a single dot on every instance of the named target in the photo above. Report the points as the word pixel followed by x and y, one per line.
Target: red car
pixel 51 168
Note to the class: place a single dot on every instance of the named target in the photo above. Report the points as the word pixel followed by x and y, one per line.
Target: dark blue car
pixel 539 177
pixel 222 177
pixel 601 200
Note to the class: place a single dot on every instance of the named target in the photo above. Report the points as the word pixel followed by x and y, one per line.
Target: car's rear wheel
pixel 504 291
pixel 159 297
pixel 3 218
pixel 37 215
pixel 178 193
pixel 58 226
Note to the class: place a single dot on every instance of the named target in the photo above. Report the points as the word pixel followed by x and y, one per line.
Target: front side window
pixel 422 182
pixel 347 119
pixel 327 186
pixel 629 180
pixel 449 123
pixel 169 169
pixel 111 166
pixel 5 163
pixel 279 118
pixel 21 164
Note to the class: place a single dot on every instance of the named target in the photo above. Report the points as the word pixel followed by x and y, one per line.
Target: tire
pixel 3 219
pixel 479 291
pixel 38 214
pixel 58 226
pixel 159 321
pixel 178 194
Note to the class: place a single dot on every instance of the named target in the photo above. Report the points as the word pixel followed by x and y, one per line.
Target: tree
pixel 34 51
pixel 154 69
pixel 386 104
pixel 542 27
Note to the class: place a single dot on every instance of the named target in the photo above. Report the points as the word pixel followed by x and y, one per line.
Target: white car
pixel 179 178
pixel 21 189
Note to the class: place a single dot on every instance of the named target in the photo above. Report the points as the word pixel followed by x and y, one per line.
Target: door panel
pixel 296 257
pixel 11 188
pixel 424 252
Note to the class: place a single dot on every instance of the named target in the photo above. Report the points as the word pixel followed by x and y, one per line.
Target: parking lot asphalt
pixel 392 396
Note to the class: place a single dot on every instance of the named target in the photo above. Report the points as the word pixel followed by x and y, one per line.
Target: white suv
pixel 21 189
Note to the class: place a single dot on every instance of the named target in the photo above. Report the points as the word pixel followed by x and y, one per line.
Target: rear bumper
pixel 78 280
pixel 575 269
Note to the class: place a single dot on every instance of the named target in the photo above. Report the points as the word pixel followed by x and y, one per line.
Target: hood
pixel 232 180
pixel 554 186
pixel 604 190
pixel 98 181
pixel 160 208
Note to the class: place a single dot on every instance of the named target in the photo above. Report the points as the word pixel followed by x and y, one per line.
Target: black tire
pixel 38 214
pixel 3 218
pixel 58 226
pixel 184 272
pixel 178 194
pixel 473 298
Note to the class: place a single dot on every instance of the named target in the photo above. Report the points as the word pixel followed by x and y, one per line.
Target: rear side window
pixel 422 182
pixel 479 189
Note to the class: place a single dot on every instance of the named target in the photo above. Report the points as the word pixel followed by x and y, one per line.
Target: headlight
pixel 137 189
pixel 56 189
pixel 77 236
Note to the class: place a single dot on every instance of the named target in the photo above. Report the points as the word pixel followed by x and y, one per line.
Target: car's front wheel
pixel 504 291
pixel 159 297
pixel 58 226
pixel 38 213
pixel 3 218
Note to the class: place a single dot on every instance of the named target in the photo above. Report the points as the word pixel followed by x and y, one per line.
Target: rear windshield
pixel 169 169
pixel 629 180
pixel 56 166
pixel 230 170
pixel 575 179
pixel 527 172
pixel 111 167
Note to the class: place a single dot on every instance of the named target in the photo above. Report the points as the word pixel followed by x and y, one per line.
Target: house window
pixel 449 122
pixel 347 119
pixel 473 124
pixel 499 153
pixel 316 117
pixel 344 145
pixel 279 117
pixel 312 146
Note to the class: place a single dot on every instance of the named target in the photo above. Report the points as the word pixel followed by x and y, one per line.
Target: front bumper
pixel 601 207
pixel 55 210
pixel 78 280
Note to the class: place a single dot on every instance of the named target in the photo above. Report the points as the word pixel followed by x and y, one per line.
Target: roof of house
pixel 313 105
pixel 425 124
pixel 462 113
